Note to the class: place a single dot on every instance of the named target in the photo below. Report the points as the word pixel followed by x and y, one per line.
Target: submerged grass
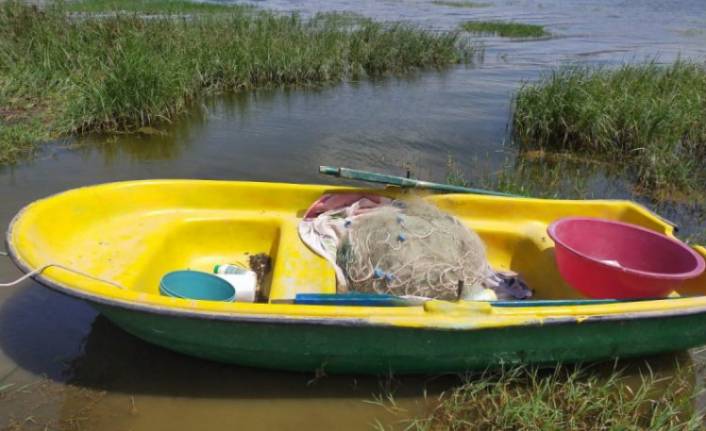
pixel 122 71
pixel 460 3
pixel 505 29
pixel 572 398
pixel 571 176
pixel 650 116
pixel 544 178
pixel 33 406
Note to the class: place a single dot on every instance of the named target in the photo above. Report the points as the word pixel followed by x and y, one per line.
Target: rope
pixel 56 265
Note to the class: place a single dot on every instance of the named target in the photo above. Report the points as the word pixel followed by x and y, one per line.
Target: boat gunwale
pixel 235 316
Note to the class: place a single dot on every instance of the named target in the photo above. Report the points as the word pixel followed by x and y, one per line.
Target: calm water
pixel 70 368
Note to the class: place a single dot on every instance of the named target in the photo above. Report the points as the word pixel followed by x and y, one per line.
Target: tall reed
pixel 648 115
pixel 121 71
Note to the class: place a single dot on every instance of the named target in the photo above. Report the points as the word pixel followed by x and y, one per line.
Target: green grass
pixel 121 71
pixel 460 3
pixel 566 399
pixel 147 6
pixel 649 117
pixel 505 29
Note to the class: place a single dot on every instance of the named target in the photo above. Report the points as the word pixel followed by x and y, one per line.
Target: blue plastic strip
pixel 360 299
pixel 384 300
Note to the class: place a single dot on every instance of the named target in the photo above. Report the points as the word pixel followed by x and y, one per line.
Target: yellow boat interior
pixel 133 233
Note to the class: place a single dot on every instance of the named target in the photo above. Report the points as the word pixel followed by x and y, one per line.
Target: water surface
pixel 71 368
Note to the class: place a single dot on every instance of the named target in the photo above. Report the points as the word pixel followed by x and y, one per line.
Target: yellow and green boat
pixel 123 237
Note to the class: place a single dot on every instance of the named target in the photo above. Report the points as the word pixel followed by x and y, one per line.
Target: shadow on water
pixel 99 376
pixel 43 331
pixel 64 339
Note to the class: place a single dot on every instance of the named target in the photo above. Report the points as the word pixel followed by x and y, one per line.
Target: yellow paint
pixel 132 233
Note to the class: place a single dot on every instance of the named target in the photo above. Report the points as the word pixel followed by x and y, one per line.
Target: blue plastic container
pixel 196 285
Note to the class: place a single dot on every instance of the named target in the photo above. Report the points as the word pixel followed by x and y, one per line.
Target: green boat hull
pixel 373 349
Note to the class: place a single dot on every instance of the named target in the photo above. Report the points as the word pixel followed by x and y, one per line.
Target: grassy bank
pixel 650 116
pixel 61 75
pixel 567 399
pixel 504 29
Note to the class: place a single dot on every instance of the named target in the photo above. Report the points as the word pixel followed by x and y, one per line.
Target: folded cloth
pixel 326 219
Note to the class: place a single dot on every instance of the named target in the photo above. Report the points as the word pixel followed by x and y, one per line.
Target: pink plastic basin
pixel 609 259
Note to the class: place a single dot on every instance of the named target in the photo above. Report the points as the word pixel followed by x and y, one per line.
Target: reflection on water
pixel 65 341
pixel 99 377
pixel 94 372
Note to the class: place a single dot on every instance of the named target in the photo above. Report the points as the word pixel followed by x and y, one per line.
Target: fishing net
pixel 412 248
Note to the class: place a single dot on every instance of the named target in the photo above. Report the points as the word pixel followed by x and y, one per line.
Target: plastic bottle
pixel 242 279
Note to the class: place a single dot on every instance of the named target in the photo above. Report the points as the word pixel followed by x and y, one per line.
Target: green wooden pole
pixel 373 177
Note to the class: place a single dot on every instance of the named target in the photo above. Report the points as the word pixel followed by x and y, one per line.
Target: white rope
pixel 56 265
pixel 21 279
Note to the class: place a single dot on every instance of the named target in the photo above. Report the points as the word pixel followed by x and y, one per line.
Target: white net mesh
pixel 412 248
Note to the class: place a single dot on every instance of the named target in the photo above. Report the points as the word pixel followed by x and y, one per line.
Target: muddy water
pixel 69 368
